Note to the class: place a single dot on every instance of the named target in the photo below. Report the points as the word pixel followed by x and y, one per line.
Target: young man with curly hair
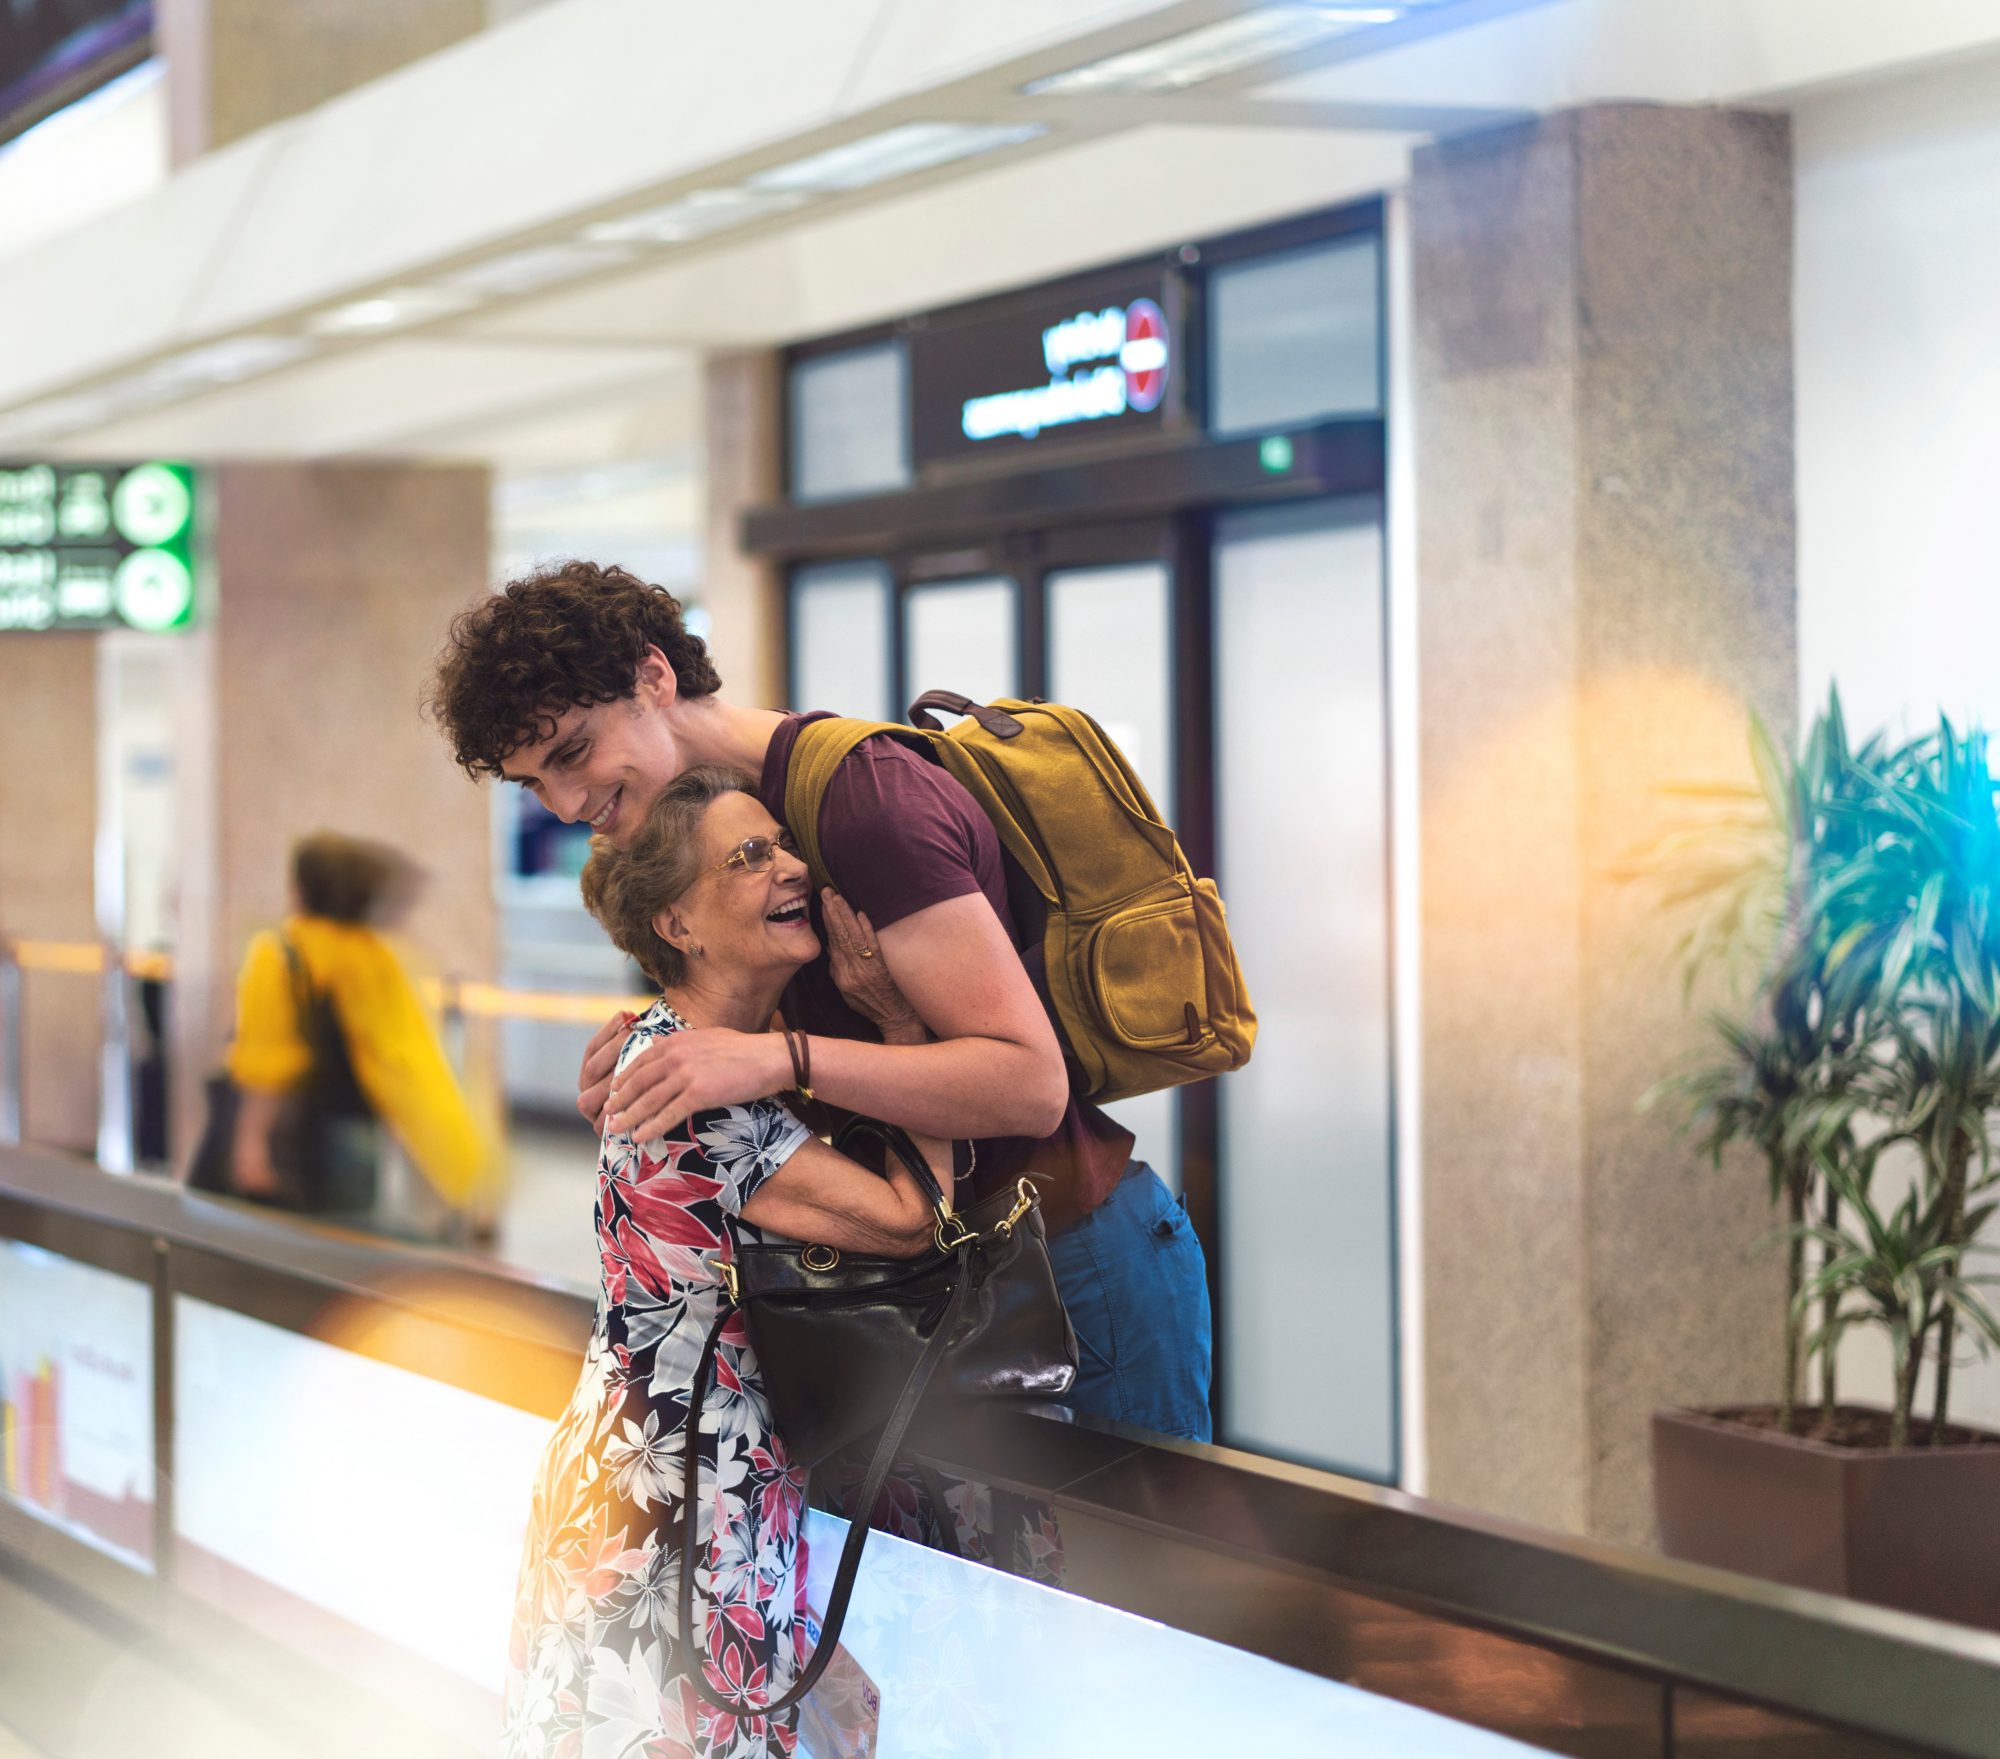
pixel 582 683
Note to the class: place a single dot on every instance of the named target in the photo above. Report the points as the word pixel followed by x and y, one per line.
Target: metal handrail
pixel 1160 1515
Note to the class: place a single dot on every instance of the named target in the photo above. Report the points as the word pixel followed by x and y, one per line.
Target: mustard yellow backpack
pixel 1146 989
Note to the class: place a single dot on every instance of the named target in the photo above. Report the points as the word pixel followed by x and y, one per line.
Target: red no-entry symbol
pixel 1145 354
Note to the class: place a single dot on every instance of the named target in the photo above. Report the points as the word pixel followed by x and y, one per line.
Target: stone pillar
pixel 743 593
pixel 334 587
pixel 1603 391
pixel 48 830
pixel 235 66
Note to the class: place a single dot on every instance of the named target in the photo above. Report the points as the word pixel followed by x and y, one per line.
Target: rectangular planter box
pixel 1917 1529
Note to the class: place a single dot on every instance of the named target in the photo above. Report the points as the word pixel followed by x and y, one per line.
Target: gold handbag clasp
pixel 819 1258
pixel 725 1274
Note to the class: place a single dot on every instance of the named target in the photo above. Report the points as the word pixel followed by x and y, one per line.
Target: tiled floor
pixel 68 1690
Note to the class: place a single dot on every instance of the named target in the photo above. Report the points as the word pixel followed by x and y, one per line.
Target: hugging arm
pixel 823 1197
pixel 992 1066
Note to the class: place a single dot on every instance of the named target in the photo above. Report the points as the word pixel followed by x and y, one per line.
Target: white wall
pixel 1898 339
pixel 1898 336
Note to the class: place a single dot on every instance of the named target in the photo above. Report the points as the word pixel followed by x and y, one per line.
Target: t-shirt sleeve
pixel 898 834
pixel 744 1145
pixel 267 1054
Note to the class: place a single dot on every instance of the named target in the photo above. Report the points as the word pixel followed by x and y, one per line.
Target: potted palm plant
pixel 1863 1071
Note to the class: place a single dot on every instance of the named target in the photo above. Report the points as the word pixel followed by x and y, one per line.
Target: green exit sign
pixel 96 546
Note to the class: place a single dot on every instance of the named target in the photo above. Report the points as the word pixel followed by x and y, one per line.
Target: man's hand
pixel 593 1083
pixel 687 1072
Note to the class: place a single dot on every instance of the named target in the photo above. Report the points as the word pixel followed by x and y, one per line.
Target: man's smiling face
pixel 602 766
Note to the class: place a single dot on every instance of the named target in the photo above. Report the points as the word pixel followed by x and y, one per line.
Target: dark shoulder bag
pixel 323 1143
pixel 849 1344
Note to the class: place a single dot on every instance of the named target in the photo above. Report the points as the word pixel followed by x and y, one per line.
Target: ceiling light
pixel 54 416
pixel 396 309
pixel 896 152
pixel 524 271
pixel 704 212
pixel 220 363
pixel 1205 54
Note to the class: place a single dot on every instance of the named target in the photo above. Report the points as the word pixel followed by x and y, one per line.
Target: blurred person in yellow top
pixel 331 1035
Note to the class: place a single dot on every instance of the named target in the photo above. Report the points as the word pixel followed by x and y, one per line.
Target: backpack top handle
pixel 996 721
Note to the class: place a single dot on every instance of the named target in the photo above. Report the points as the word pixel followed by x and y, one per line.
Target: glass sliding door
pixel 962 635
pixel 1110 653
pixel 840 648
pixel 1307 1326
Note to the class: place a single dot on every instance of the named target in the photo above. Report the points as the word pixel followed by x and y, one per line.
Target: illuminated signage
pixel 95 546
pixel 1058 366
pixel 1100 363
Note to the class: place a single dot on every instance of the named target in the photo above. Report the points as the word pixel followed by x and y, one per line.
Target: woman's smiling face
pixel 748 921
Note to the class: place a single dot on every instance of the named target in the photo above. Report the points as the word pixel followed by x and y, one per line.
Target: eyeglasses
pixel 754 854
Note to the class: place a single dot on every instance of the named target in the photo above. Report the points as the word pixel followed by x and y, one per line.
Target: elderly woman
pixel 711 900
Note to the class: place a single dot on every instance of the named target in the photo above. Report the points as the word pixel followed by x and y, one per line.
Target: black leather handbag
pixel 848 1345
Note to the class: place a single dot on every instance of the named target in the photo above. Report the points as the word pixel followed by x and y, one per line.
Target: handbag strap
pixel 898 1143
pixel 302 983
pixel 857 1528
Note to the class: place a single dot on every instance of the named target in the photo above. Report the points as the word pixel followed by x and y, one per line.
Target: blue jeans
pixel 1132 1275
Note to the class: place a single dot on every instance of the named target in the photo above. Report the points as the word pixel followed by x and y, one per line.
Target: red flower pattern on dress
pixel 595 1662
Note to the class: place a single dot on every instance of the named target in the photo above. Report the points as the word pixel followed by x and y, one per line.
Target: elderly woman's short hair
pixel 625 889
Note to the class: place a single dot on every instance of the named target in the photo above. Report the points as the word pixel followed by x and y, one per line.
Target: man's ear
pixel 655 685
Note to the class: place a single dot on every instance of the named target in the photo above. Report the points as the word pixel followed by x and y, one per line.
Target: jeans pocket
pixel 1088 1355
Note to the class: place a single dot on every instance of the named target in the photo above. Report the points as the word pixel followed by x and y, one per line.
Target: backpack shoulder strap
pixel 820 749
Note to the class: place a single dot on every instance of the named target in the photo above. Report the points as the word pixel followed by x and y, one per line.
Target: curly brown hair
pixel 626 889
pixel 564 637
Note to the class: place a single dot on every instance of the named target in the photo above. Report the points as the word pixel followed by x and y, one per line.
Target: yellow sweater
pixel 391 1041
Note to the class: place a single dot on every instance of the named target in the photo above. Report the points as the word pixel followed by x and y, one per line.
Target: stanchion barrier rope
pixel 480 1000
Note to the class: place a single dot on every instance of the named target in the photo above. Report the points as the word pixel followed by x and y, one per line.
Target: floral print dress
pixel 595 1669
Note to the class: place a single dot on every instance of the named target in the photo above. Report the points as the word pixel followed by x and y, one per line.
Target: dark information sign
pixel 1050 371
pixel 96 546
pixel 53 51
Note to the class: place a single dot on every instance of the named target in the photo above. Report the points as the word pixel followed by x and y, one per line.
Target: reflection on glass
pixel 307 1479
pixel 963 635
pixel 1308 1251
pixel 1111 655
pixel 849 423
pixel 1295 337
pixel 76 1399
pixel 840 640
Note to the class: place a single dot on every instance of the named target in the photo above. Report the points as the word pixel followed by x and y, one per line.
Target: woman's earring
pixel 696 951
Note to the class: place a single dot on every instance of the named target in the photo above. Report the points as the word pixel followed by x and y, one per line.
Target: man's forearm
pixel 954 1087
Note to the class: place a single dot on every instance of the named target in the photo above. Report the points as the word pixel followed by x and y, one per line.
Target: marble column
pixel 1603 407
pixel 744 594
pixel 334 586
pixel 48 829
pixel 235 66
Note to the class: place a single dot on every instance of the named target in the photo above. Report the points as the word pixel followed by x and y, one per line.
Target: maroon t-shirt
pixel 898 835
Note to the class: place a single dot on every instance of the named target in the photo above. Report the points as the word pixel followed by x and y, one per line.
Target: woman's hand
pixel 862 974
